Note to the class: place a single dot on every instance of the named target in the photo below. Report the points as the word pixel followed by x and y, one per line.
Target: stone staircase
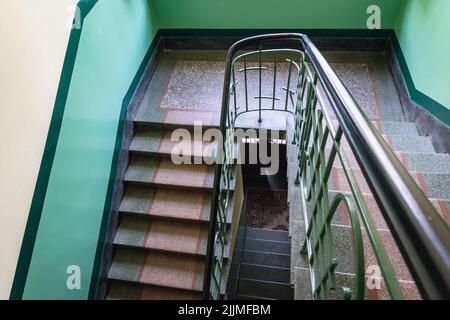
pixel 431 171
pixel 161 241
pixel 265 266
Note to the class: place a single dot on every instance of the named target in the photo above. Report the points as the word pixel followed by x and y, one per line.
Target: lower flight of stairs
pixel 431 171
pixel 161 241
pixel 265 267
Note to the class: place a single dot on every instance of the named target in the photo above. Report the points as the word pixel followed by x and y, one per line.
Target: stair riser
pixel 267 246
pixel 266 259
pixel 264 273
pixel 269 290
pixel 266 234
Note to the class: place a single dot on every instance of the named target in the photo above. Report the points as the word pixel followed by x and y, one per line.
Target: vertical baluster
pixel 274 81
pixel 260 83
pixel 288 85
pixel 234 91
pixel 245 80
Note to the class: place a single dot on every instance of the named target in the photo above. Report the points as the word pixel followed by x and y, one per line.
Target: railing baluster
pixel 288 87
pixel 274 81
pixel 245 83
pixel 260 83
pixel 234 93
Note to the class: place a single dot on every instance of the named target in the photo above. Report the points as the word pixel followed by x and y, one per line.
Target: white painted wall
pixel 33 41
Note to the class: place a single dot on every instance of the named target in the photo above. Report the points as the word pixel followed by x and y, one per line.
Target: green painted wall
pixel 114 41
pixel 271 14
pixel 423 29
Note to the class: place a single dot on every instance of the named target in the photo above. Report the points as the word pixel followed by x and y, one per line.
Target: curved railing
pixel 419 231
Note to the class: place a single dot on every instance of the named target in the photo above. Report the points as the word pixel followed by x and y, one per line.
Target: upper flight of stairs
pixel 265 267
pixel 431 171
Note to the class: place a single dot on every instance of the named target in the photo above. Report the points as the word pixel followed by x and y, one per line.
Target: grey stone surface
pixel 267 234
pixel 266 259
pixel 268 246
pixel 399 128
pixel 264 273
pixel 429 162
pixel 302 284
pixel 438 185
pixel 412 144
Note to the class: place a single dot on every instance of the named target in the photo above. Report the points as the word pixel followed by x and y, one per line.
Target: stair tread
pixel 177 204
pixel 267 234
pixel 158 141
pixel 398 128
pixel 267 246
pixel 176 236
pixel 159 269
pixel 166 173
pixel 411 143
pixel 265 289
pixel 264 273
pixel 266 259
pixel 119 290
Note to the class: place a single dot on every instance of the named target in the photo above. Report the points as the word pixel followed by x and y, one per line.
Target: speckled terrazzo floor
pixel 267 209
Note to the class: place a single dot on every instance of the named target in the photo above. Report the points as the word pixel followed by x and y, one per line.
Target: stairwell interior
pixel 159 232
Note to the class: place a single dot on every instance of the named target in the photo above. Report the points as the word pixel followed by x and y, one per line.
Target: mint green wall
pixel 272 14
pixel 114 41
pixel 423 29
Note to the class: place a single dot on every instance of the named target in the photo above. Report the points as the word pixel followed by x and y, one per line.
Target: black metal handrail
pixel 420 232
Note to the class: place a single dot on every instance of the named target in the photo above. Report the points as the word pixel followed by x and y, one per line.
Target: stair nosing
pixel 264 252
pixel 166 185
pixel 269 282
pixel 151 284
pixel 161 217
pixel 276 241
pixel 262 265
pixel 159 250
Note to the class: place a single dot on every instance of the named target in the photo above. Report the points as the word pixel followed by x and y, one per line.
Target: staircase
pixel 431 171
pixel 265 267
pixel 161 242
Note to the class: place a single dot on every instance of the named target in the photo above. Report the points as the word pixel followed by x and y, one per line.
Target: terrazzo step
pixel 410 143
pixel 121 290
pixel 167 203
pixel 264 273
pixel 179 119
pixel 343 251
pixel 412 161
pixel 435 186
pixel 398 143
pixel 427 162
pixel 164 235
pixel 380 292
pixel 267 234
pixel 158 269
pixel 158 142
pixel 397 128
pixel 267 246
pixel 265 289
pixel 266 259
pixel 164 172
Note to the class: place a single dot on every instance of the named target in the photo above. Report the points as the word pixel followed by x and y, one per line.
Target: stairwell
pixel 160 244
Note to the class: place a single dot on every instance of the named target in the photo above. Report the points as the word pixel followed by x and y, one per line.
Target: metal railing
pixel 419 231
